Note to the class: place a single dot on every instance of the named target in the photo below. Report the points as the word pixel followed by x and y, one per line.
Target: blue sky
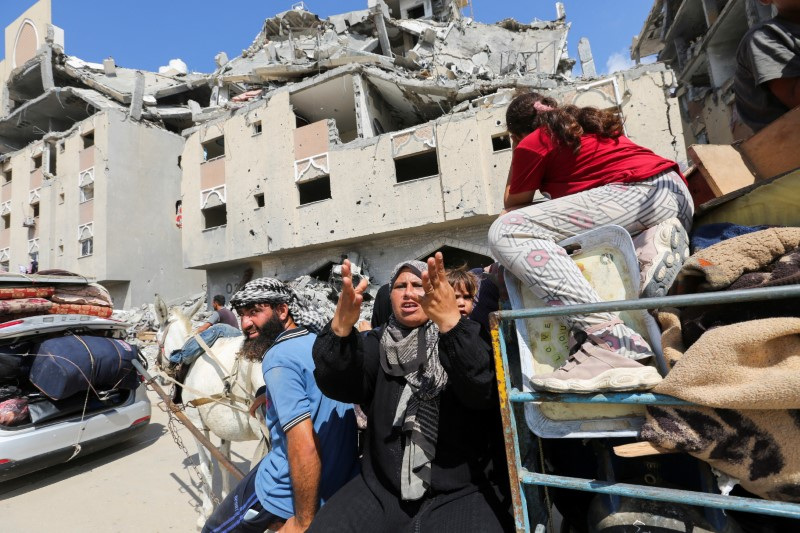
pixel 146 34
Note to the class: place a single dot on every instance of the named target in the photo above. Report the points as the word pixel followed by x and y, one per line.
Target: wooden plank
pixel 775 150
pixel 722 167
pixel 147 336
pixel 640 449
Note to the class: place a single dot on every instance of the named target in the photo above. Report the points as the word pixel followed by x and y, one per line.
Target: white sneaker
pixel 661 250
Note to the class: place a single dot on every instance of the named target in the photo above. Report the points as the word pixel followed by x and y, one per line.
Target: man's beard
pixel 254 349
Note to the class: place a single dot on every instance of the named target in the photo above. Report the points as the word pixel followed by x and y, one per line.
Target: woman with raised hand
pixel 426 381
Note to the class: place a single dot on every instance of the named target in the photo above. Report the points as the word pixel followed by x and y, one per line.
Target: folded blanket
pixel 74 309
pixel 91 294
pixel 750 365
pixel 758 448
pixel 24 305
pixel 710 234
pixel 11 293
pixel 718 266
pixel 751 373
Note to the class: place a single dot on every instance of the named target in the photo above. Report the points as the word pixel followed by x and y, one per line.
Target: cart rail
pixel 520 476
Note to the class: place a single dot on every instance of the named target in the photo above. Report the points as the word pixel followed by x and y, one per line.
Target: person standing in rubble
pixel 595 176
pixel 221 315
pixel 426 380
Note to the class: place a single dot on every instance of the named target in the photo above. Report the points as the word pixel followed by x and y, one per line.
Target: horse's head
pixel 174 327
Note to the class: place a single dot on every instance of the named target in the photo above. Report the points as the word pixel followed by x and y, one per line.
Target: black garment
pixel 348 370
pixel 356 508
pixel 226 316
pixel 382 306
pixel 240 511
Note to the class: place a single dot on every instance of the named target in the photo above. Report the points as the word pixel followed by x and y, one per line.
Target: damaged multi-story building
pixel 377 134
pixel 90 172
pixel 698 40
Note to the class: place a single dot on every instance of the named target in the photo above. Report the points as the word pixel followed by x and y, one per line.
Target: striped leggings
pixel 524 241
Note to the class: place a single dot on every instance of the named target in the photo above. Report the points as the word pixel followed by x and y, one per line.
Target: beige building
pixel 86 186
pixel 374 162
pixel 698 39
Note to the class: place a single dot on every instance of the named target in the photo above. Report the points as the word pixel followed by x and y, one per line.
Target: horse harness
pixel 227 379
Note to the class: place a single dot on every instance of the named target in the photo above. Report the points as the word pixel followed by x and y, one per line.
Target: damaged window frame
pixel 316 182
pixel 86 186
pixel 218 146
pixel 423 154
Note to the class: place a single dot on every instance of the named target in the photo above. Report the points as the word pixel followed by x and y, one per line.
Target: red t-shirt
pixel 539 163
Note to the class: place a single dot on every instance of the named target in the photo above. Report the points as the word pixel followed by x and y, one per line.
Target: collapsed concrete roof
pixel 58 109
pixel 297 44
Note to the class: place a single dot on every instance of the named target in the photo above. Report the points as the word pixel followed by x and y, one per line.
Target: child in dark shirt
pixel 767 80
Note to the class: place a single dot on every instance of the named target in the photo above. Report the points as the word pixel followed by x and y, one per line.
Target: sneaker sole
pixel 666 270
pixel 616 379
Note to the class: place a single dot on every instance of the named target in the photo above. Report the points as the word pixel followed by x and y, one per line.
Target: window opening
pixel 61 198
pixel 35 210
pixel 37 161
pixel 416 166
pixel 216 216
pixel 257 128
pixel 86 192
pixel 501 142
pixel 7 176
pixel 53 160
pixel 4 266
pixel 87 246
pixel 60 249
pixel 88 139
pixel 315 190
pixel 6 221
pixel 416 12
pixel 61 147
pixel 259 199
pixel 214 148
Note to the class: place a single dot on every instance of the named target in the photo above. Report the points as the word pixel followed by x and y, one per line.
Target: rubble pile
pixel 321 295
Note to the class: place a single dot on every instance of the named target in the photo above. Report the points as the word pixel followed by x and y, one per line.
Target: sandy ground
pixel 142 485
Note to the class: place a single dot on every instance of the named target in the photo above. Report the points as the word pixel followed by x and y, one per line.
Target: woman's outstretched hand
pixel 348 310
pixel 439 300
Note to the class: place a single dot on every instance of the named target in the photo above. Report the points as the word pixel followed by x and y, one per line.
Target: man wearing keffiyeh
pixel 314 448
pixel 426 381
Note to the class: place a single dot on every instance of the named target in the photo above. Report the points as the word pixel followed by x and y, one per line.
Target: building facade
pixel 698 39
pixel 85 187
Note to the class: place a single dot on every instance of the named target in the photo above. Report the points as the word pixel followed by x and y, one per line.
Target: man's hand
pixel 439 300
pixel 348 310
pixel 258 402
pixel 204 326
pixel 292 526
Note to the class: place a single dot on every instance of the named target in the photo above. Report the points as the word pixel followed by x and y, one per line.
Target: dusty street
pixel 142 485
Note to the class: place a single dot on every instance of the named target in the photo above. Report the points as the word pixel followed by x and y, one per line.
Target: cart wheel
pixel 636 516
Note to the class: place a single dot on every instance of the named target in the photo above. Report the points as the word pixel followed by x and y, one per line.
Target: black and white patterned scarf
pixel 273 291
pixel 413 353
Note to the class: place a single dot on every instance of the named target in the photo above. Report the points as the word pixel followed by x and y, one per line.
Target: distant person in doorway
pixel 767 79
pixel 221 315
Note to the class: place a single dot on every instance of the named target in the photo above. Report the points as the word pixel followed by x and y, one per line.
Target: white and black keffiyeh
pixel 273 291
pixel 413 353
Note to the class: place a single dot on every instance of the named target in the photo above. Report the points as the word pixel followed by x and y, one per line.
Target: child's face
pixel 465 300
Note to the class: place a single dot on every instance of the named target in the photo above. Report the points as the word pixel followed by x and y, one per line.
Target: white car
pixel 67 431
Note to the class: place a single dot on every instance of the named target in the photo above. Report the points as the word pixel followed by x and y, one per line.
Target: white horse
pixel 220 409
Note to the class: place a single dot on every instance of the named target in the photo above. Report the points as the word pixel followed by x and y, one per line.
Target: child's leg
pixel 524 241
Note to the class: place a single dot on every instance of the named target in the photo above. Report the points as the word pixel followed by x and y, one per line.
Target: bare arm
pixel 787 90
pixel 203 327
pixel 305 470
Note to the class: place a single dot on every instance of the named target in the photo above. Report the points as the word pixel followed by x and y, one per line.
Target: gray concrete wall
pixel 142 242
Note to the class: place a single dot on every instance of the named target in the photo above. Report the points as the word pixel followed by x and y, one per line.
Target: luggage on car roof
pixel 64 366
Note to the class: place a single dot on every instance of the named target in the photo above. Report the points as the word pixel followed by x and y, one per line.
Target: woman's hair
pixel 462 277
pixel 566 124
